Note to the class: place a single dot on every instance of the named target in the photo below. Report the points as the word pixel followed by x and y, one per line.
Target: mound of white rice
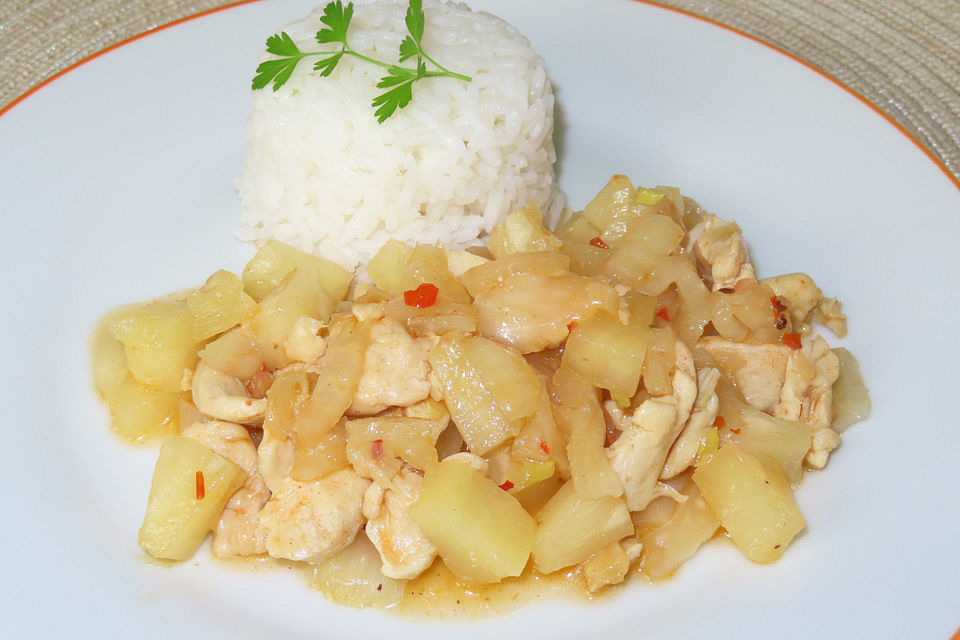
pixel 323 175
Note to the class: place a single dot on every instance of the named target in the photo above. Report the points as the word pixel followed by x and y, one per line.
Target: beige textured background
pixel 901 55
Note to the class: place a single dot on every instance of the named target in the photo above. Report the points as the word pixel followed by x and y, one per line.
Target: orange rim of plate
pixel 954 179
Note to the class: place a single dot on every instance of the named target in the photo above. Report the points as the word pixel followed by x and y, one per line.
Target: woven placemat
pixel 901 55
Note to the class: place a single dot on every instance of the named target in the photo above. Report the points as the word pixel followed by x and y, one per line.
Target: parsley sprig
pixel 398 81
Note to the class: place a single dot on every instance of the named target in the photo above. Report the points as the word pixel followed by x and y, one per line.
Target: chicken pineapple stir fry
pixel 604 396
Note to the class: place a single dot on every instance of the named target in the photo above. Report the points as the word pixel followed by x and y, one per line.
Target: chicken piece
pixel 275 459
pixel 758 370
pixel 719 248
pixel 807 396
pixel 800 295
pixel 303 344
pixel 223 397
pixel 238 532
pixel 639 453
pixel 533 311
pixel 395 371
pixel 404 549
pixel 312 521
pixel 705 408
pixel 829 315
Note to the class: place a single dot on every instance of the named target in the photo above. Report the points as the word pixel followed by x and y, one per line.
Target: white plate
pixel 116 186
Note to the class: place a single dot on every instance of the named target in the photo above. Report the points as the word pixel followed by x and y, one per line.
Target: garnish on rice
pixel 398 80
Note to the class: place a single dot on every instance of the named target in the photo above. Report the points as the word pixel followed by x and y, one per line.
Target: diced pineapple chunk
pixel 158 342
pixel 753 501
pixel 234 354
pixel 784 441
pixel 178 518
pixel 481 532
pixel 459 262
pixel 488 389
pixel 221 303
pixel 298 295
pixel 672 543
pixel 513 383
pixel 137 411
pixel 353 578
pixel 271 264
pixel 397 267
pixel 615 201
pixel 388 267
pixel 572 527
pixel 429 264
pixel 608 354
pixel 108 360
pixel 520 231
pixel 576 234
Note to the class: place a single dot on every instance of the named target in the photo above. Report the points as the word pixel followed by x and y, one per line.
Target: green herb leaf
pixel 337 18
pixel 327 65
pixel 281 44
pixel 397 98
pixel 415 20
pixel 396 75
pixel 278 70
pixel 408 49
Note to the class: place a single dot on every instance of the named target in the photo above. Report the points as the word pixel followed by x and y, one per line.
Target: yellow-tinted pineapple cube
pixel 190 486
pixel 158 342
pixel 481 532
pixel 572 527
pixel 221 303
pixel 271 264
pixel 608 354
pixel 753 501
pixel 137 411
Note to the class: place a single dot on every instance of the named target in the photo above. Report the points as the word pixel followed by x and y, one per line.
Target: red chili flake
pixel 732 430
pixel 376 449
pixel 781 323
pixel 571 327
pixel 544 448
pixel 201 489
pixel 792 340
pixel 423 296
pixel 776 304
pixel 719 422
pixel 249 402
pixel 663 315
pixel 597 242
pixel 506 486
